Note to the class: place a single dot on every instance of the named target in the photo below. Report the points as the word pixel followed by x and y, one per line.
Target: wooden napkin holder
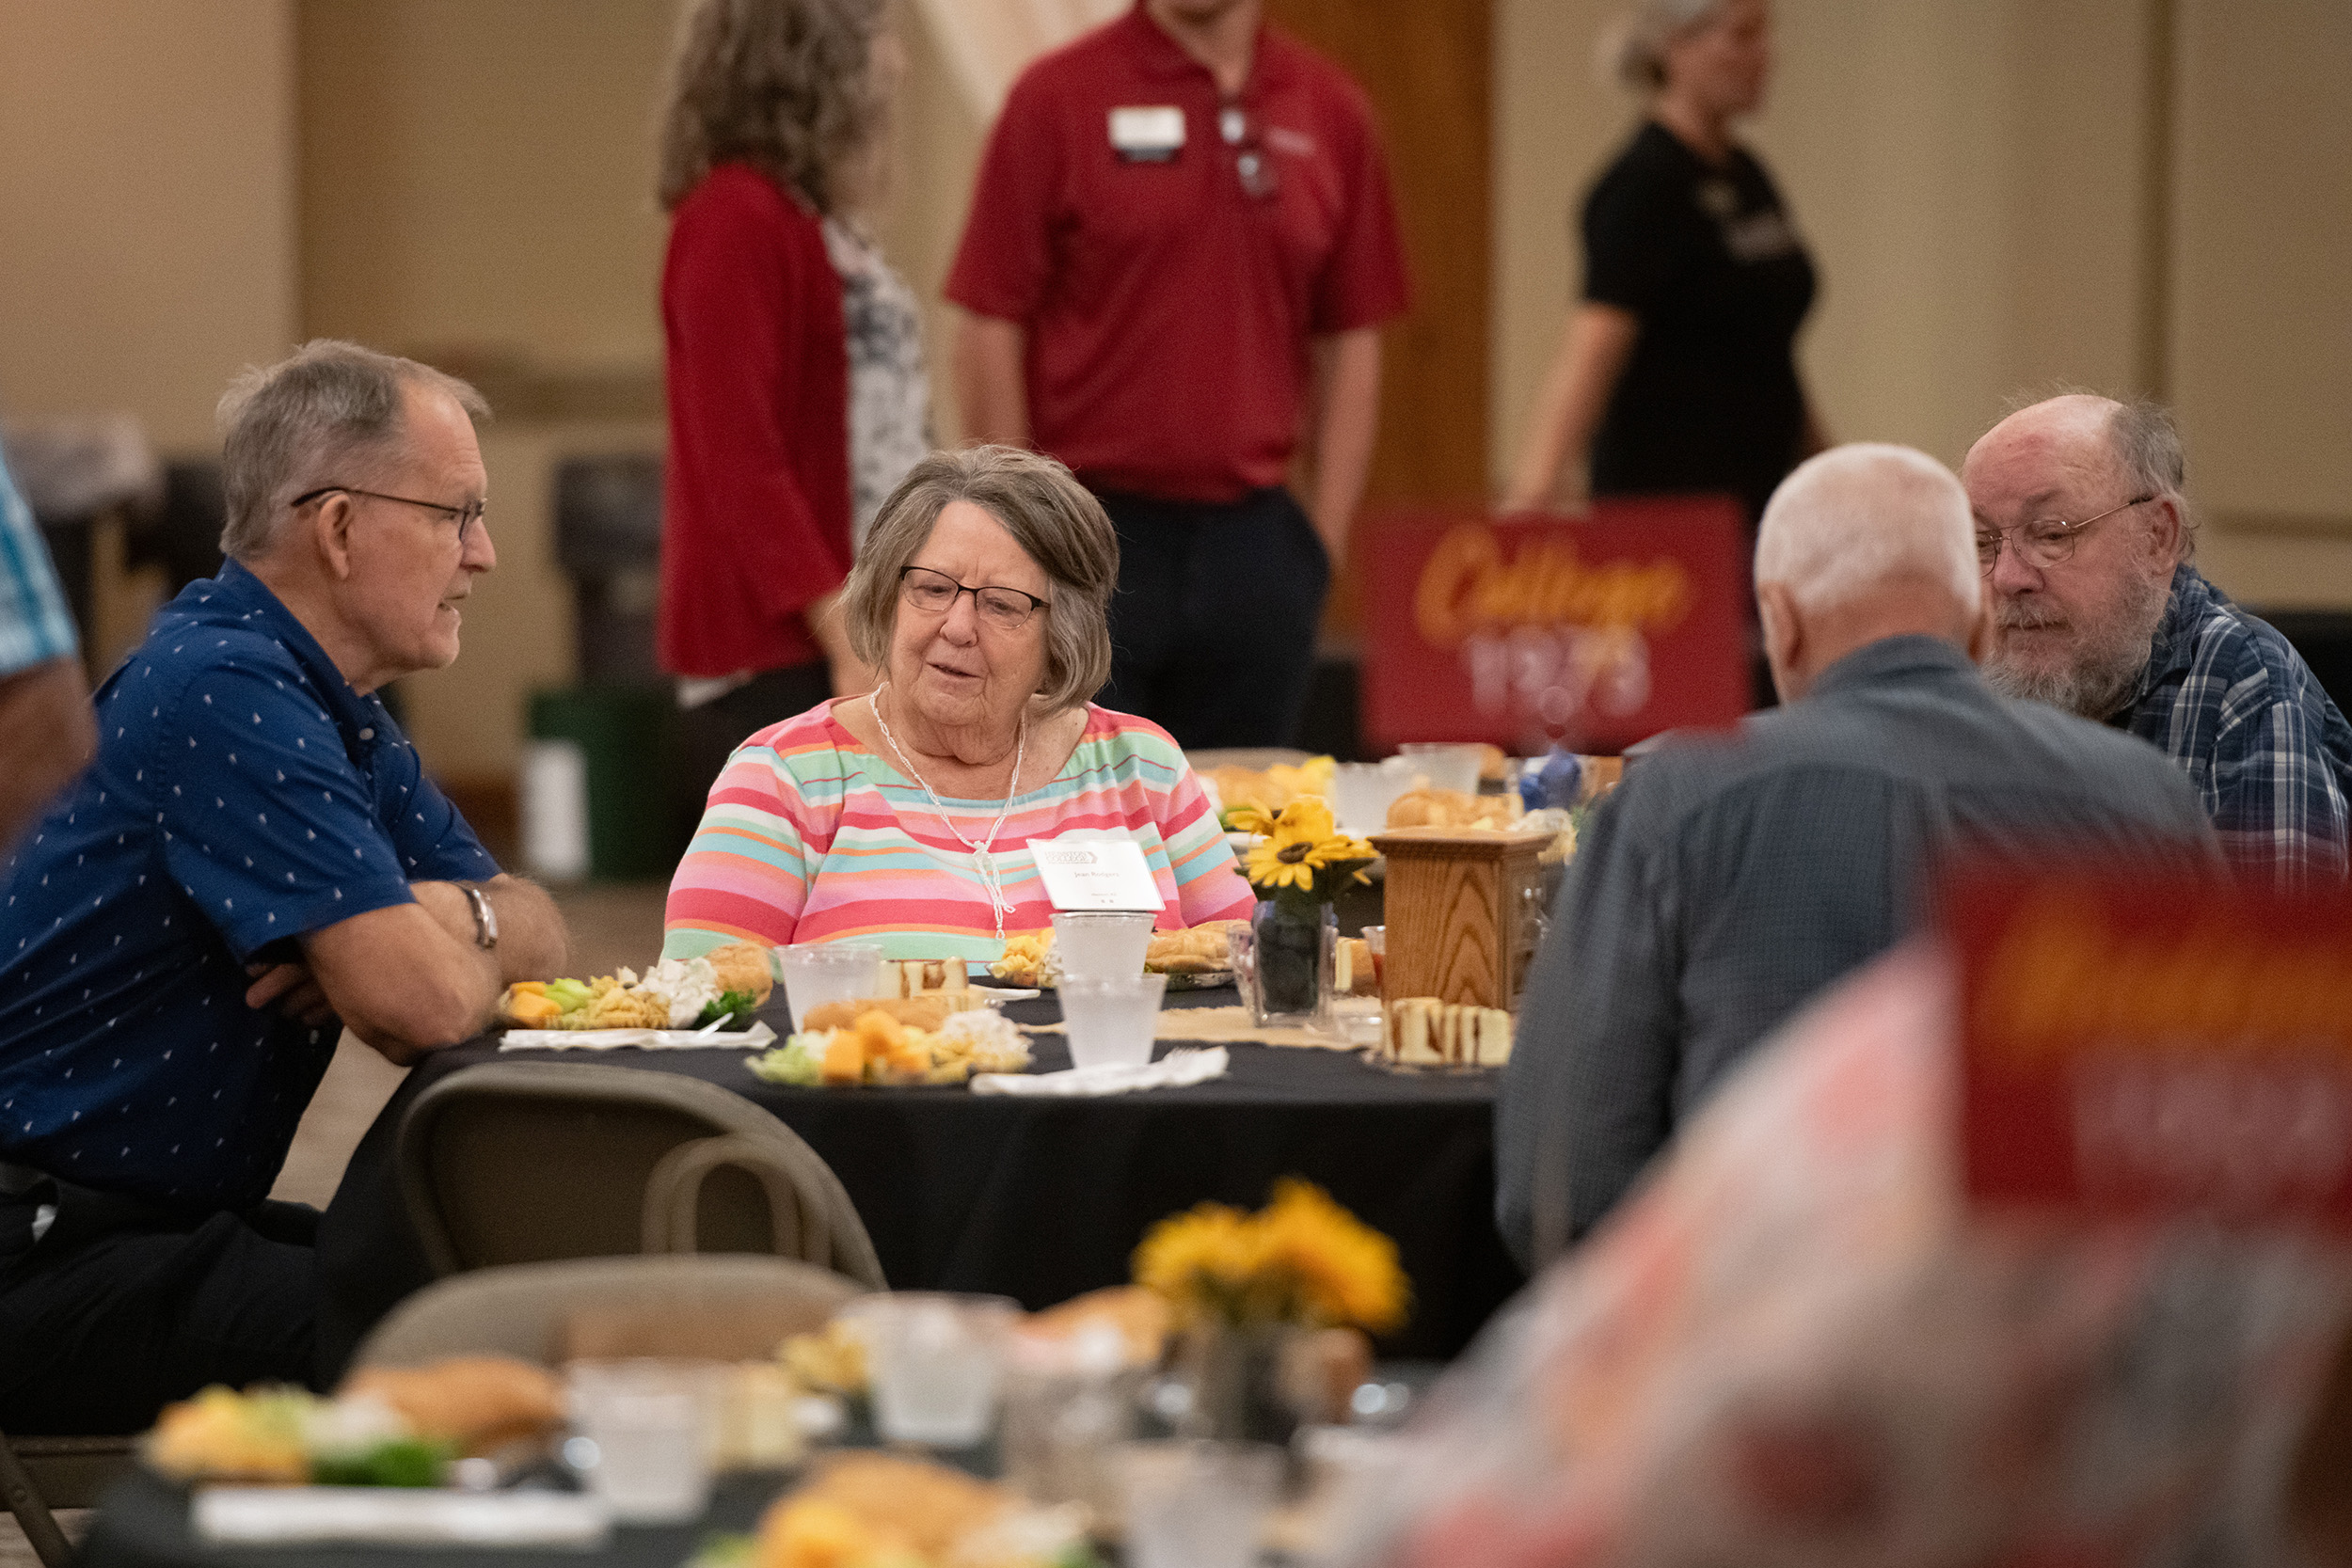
pixel 1461 909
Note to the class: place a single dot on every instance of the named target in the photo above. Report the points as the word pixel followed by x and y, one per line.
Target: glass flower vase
pixel 1233 1376
pixel 1289 977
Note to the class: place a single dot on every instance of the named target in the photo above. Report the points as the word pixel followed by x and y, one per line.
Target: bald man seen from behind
pixel 1732 879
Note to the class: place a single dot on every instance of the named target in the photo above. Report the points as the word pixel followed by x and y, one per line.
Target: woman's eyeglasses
pixel 934 594
pixel 464 517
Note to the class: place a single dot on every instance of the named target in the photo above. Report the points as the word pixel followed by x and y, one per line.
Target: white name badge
pixel 1089 868
pixel 1149 134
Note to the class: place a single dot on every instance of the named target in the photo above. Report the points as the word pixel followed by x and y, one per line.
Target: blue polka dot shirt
pixel 243 795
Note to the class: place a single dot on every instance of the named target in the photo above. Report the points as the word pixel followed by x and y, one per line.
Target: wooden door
pixel 1425 66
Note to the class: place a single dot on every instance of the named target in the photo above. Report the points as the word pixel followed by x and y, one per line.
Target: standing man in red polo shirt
pixel 1181 250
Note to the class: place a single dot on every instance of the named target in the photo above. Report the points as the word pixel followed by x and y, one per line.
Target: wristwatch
pixel 485 920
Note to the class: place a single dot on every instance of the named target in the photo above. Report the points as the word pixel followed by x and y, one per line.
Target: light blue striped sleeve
pixel 34 625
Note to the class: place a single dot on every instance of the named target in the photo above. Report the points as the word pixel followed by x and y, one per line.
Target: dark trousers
pixel 120 1309
pixel 710 734
pixel 1213 630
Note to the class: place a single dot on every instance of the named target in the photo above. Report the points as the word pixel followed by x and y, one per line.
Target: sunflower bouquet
pixel 1302 852
pixel 1301 1261
pixel 1260 1297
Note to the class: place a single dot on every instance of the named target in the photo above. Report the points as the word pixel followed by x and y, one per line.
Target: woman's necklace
pixel 983 853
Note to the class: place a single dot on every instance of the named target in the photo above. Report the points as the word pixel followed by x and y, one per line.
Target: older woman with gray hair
pixel 906 815
pixel 1676 372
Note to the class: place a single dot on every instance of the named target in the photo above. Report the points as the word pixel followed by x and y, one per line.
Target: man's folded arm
pixel 411 979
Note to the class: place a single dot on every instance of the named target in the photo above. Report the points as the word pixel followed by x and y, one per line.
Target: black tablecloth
pixel 1039 1199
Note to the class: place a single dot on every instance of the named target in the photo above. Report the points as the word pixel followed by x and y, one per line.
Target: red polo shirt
pixel 1169 310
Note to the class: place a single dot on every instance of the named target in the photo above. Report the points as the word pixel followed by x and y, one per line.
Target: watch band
pixel 485 920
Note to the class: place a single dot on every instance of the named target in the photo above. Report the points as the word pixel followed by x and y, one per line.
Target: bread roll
pixel 743 966
pixel 476 1402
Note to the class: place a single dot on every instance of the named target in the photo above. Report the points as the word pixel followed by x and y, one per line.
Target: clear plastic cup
pixel 1447 765
pixel 816 973
pixel 1360 793
pixel 1092 945
pixel 649 1427
pixel 1197 1505
pixel 1111 1021
pixel 935 1362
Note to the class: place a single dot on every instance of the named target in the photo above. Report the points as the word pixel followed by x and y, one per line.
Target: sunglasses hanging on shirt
pixel 1239 130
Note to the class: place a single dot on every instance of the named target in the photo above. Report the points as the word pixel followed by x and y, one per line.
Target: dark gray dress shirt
pixel 1731 878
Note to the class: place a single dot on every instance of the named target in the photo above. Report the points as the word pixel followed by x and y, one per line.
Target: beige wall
pixel 1983 185
pixel 147 179
pixel 480 176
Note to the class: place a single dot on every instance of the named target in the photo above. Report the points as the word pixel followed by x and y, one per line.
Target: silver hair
pixel 328 405
pixel 1859 516
pixel 2146 441
pixel 1048 513
pixel 1632 48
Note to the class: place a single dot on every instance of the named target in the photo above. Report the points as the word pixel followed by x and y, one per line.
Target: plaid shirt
pixel 2229 700
pixel 34 625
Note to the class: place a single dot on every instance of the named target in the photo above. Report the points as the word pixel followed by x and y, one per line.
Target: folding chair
pixel 530 1161
pixel 37 1473
pixel 724 1309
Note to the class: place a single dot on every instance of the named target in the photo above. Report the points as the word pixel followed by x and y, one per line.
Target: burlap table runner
pixel 1223 1026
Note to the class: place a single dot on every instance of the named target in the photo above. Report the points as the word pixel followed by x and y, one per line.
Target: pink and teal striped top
pixel 809 836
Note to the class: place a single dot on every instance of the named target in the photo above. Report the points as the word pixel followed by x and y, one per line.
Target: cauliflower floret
pixel 691 984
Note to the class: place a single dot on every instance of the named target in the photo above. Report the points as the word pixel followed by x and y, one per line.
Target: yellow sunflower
pixel 1276 864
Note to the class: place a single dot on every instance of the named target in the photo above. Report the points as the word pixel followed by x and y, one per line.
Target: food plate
pixel 1208 979
pixel 758 1037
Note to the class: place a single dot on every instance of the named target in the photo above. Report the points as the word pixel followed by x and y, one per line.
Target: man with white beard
pixel 2088 553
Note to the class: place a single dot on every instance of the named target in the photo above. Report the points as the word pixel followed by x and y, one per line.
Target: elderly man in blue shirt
pixel 2089 553
pixel 254 862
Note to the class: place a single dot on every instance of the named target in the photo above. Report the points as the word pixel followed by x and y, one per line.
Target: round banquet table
pixel 1043 1198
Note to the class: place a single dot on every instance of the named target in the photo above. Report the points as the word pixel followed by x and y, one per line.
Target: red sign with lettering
pixel 2138 1048
pixel 1598 631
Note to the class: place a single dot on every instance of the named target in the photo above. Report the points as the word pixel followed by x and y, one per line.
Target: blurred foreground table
pixel 1042 1198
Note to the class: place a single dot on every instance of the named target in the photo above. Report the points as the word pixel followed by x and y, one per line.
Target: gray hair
pixel 1862 515
pixel 2145 440
pixel 283 426
pixel 1632 48
pixel 1048 513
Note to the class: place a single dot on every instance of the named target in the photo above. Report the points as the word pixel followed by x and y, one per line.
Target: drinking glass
pixel 1447 765
pixel 816 973
pixel 650 1426
pixel 1197 1505
pixel 935 1361
pixel 1111 1019
pixel 1360 793
pixel 1094 944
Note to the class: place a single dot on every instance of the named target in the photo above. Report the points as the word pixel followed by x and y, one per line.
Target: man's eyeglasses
pixel 934 594
pixel 464 517
pixel 1250 161
pixel 2043 544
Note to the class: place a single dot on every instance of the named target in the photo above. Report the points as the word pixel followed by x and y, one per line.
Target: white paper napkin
pixel 282 1515
pixel 1173 1070
pixel 757 1036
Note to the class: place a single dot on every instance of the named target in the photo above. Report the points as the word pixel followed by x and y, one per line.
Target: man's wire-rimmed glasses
pixel 465 517
pixel 935 593
pixel 2044 543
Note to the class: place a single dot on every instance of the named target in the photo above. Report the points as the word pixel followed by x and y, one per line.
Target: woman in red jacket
pixel 774 308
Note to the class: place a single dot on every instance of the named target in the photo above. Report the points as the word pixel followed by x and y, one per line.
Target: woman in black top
pixel 1676 372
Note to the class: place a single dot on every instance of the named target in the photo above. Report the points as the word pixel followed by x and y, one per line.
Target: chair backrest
pixel 730 1307
pixel 530 1161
